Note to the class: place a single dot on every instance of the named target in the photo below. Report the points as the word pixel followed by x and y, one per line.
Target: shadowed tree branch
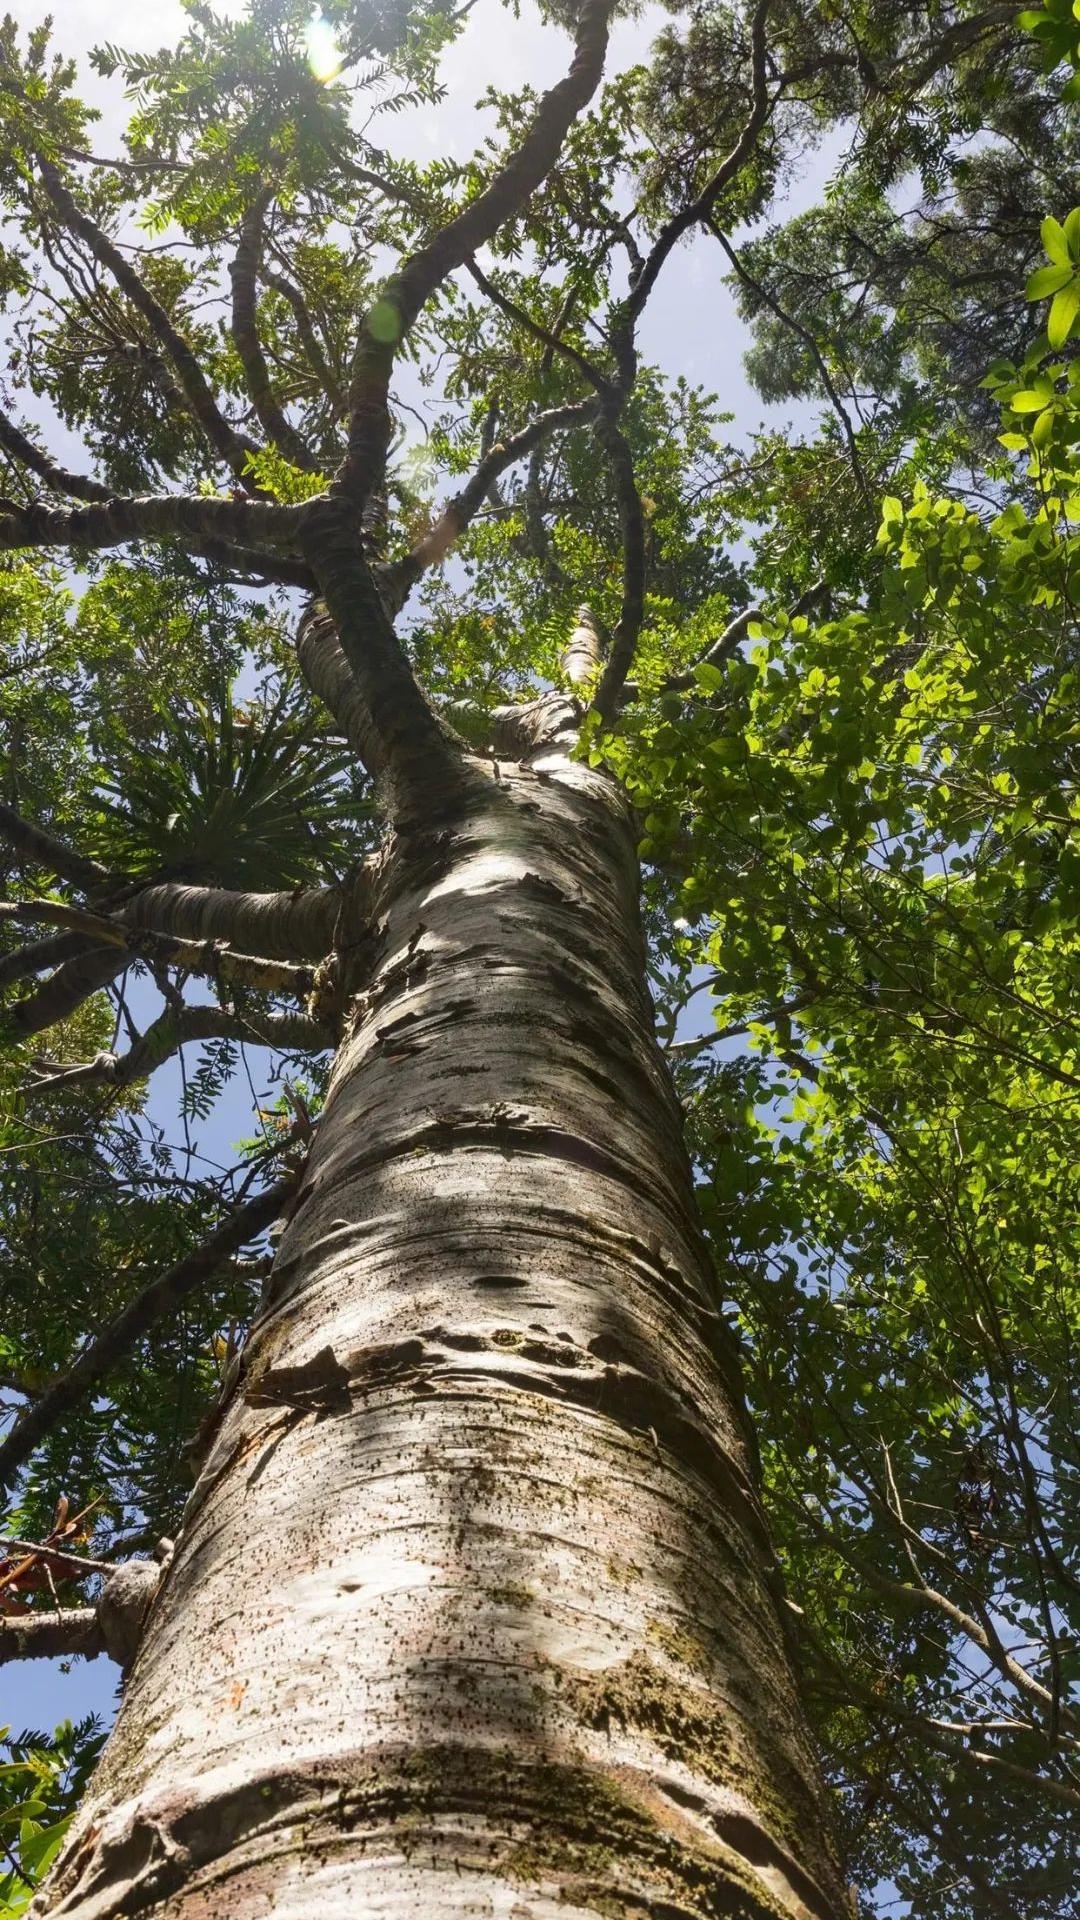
pixel 309 339
pixel 551 341
pixel 117 1339
pixel 804 334
pixel 78 486
pixel 38 955
pixel 698 209
pixel 243 273
pixel 86 973
pixel 632 527
pixel 47 851
pixel 458 512
pixel 329 675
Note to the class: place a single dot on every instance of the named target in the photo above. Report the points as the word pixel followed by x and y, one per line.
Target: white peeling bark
pixel 473 1612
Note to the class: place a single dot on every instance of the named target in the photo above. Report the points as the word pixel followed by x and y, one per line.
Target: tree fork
pixel 473 1609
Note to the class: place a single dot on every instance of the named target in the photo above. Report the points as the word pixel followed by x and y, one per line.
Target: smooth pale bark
pixel 473 1611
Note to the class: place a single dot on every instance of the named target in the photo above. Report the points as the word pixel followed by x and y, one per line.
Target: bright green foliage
pixel 879 847
pixel 1054 27
pixel 41 1779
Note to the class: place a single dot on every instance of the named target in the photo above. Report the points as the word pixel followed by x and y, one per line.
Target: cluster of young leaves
pixel 42 1777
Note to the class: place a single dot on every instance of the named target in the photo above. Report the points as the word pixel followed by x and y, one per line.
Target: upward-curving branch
pixel 388 322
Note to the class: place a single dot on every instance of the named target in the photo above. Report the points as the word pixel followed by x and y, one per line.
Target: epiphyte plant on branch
pixel 434 1548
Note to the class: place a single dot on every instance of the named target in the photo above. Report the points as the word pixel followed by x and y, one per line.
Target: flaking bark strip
pixel 560 1826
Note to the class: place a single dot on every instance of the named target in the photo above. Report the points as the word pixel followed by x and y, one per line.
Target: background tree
pixel 849 739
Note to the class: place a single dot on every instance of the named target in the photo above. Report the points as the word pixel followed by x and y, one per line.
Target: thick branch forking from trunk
pixel 215 958
pixel 292 927
pixel 191 927
pixel 47 851
pixel 387 324
pixel 118 520
pixel 51 1636
pixel 116 1340
pixel 583 654
pixel 329 675
pixel 403 744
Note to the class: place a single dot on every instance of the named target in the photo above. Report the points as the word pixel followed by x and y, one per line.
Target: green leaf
pixel 1052 234
pixel 1063 314
pixel 1047 280
pixel 708 676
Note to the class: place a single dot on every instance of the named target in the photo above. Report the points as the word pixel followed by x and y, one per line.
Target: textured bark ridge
pixel 473 1612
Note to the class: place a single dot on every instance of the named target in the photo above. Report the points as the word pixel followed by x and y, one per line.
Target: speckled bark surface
pixel 473 1610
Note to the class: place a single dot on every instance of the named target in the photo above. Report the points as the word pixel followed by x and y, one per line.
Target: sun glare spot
pixel 323 52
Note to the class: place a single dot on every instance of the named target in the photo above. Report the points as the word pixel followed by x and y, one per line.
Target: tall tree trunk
pixel 473 1611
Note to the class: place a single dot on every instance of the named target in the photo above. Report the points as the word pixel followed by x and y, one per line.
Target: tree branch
pixel 77 486
pixel 114 522
pixel 45 850
pixel 387 324
pixel 213 959
pixel 117 1339
pixel 231 446
pixel 551 341
pixel 625 321
pixel 280 926
pixel 329 675
pixel 632 524
pixel 173 1029
pixel 458 512
pixel 243 273
pixel 38 955
pixel 583 654
pixel 804 334
pixel 51 1636
pixel 402 742
pixel 313 347
pixel 86 973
